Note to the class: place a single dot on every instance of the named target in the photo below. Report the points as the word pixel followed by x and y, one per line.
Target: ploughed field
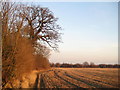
pixel 78 78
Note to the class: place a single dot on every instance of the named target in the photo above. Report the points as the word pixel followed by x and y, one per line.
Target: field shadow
pixel 36 82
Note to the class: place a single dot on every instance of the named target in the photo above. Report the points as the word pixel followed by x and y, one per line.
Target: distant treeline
pixel 84 65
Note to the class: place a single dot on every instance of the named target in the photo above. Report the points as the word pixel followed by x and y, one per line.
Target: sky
pixel 90 31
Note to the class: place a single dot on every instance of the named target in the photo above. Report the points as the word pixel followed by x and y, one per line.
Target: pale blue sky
pixel 90 31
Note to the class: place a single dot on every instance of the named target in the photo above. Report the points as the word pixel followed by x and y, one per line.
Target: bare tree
pixel 41 25
pixel 42 50
pixel 92 64
pixel 25 30
pixel 86 64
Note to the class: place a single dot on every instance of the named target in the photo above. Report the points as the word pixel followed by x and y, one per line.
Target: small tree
pixel 92 64
pixel 85 64
pixel 57 65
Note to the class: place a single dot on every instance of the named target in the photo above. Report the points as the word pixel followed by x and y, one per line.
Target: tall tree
pixel 27 30
pixel 41 25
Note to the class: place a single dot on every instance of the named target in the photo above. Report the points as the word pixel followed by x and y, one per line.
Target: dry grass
pixel 28 80
pixel 79 78
pixel 70 78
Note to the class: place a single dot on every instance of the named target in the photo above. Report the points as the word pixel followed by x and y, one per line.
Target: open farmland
pixel 78 78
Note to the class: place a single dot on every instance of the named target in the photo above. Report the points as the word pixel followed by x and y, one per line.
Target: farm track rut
pixel 63 78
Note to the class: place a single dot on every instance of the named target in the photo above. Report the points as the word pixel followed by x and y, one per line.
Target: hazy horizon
pixel 90 31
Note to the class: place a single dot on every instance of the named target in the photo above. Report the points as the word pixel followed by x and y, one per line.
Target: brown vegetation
pixel 27 31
